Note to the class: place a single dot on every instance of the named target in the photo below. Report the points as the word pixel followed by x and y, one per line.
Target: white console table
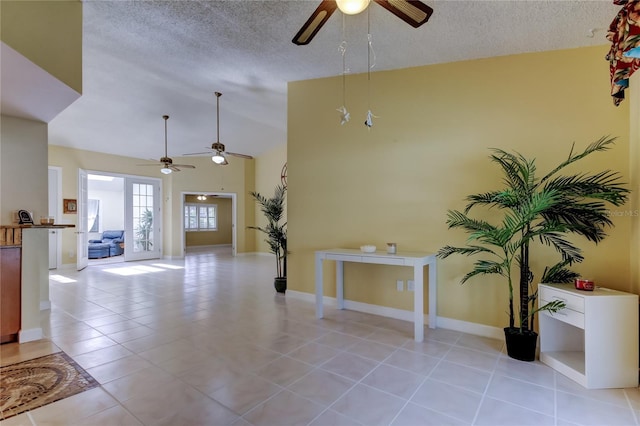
pixel 415 260
pixel 594 340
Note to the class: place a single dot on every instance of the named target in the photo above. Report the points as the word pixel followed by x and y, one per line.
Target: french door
pixel 142 219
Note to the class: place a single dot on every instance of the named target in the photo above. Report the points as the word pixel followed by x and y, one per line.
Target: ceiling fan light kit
pixel 413 12
pixel 166 161
pixel 352 7
pixel 218 158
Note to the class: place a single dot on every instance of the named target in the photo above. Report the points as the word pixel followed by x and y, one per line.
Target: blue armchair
pixel 114 240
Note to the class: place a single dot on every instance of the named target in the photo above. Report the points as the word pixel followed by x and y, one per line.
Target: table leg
pixel 433 294
pixel 418 302
pixel 340 284
pixel 319 290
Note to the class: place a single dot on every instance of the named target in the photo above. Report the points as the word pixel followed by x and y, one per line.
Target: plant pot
pixel 280 283
pixel 521 346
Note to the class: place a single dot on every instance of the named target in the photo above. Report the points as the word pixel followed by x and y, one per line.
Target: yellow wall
pixel 268 172
pixel 23 168
pixel 634 165
pixel 48 33
pixel 207 177
pixel 427 150
pixel 223 235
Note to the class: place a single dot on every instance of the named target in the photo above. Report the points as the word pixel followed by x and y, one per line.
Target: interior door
pixel 142 219
pixel 82 255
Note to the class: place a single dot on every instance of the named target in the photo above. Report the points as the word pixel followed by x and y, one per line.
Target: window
pixel 142 202
pixel 200 217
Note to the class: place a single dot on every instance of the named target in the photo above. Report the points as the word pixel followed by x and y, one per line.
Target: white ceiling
pixel 143 59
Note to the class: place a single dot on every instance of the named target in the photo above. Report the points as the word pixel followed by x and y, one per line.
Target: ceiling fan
pixel 413 12
pixel 165 161
pixel 219 148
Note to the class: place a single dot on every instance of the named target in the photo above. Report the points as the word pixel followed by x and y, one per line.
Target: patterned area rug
pixel 31 384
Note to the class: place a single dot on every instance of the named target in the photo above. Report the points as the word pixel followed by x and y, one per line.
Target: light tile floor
pixel 206 341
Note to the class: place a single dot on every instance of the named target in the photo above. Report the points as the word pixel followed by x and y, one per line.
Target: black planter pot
pixel 521 346
pixel 280 284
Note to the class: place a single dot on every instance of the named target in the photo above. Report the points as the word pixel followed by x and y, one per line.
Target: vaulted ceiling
pixel 144 59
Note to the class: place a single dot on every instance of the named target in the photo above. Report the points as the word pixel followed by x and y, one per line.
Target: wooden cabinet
pixel 10 260
pixel 594 340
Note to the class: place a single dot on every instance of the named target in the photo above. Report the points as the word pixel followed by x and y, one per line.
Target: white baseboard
pixel 404 315
pixel 30 335
pixel 65 267
pixel 471 328
pixel 45 305
pixel 205 247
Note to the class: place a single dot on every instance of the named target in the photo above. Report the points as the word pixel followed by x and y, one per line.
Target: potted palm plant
pixel 546 210
pixel 275 231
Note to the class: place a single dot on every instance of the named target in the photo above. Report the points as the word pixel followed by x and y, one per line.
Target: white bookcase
pixel 594 340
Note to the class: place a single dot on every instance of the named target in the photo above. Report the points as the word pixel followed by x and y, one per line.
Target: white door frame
pixel 234 217
pixel 56 212
pixel 82 244
pixel 124 177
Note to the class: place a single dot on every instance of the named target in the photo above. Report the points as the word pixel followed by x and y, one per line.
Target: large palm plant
pixel 276 232
pixel 547 210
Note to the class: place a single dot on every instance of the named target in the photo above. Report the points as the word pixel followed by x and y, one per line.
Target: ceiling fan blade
pixel 200 153
pixel 185 166
pixel 224 163
pixel 315 22
pixel 413 12
pixel 235 154
pixel 174 168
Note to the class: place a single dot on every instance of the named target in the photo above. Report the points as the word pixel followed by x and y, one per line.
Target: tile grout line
pixel 633 412
pixel 486 389
pixel 425 380
pixel 356 383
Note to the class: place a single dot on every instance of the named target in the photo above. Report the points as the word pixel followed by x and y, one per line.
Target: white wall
pixel 111 209
pixel 112 206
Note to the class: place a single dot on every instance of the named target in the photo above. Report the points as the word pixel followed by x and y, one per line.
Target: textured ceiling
pixel 143 59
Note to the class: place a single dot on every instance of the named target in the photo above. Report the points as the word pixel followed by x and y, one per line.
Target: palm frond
pixel 602 144
pixel 586 219
pixel 567 250
pixel 605 185
pixel 500 199
pixel 559 273
pixel 447 251
pixel 484 267
pixel 456 219
pixel 516 171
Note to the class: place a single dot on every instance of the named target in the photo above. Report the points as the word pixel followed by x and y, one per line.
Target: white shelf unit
pixel 594 340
